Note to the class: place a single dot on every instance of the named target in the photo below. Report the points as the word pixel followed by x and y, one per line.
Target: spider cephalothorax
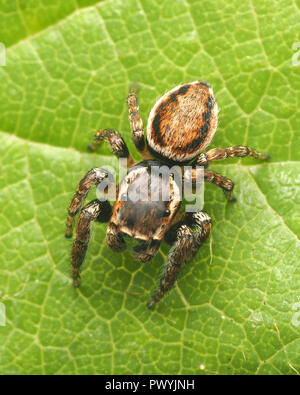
pixel 142 217
pixel 180 127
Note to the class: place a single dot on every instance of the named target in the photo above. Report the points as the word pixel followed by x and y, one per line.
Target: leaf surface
pixel 236 307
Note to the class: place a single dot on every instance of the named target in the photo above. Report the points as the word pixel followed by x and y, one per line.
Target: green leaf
pixel 235 308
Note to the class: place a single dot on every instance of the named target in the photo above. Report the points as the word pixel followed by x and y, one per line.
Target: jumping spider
pixel 181 126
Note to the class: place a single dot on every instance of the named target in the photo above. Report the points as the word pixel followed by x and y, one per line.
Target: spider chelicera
pixel 180 127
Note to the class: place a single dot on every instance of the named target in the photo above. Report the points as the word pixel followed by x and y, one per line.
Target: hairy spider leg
pixel 94 211
pixel 135 119
pixel 92 177
pixel 231 152
pixel 184 249
pixel 146 251
pixel 117 144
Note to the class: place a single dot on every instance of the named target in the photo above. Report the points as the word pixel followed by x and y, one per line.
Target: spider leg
pixel 94 211
pixel 231 152
pixel 135 120
pixel 199 174
pixel 116 142
pixel 223 182
pixel 93 177
pixel 184 249
pixel 146 251
pixel 114 239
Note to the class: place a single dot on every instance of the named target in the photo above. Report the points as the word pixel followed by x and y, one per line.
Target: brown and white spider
pixel 180 127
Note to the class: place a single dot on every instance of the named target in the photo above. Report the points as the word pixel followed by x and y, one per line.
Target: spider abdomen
pixel 183 122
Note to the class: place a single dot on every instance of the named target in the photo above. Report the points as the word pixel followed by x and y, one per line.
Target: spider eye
pixel 167 213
